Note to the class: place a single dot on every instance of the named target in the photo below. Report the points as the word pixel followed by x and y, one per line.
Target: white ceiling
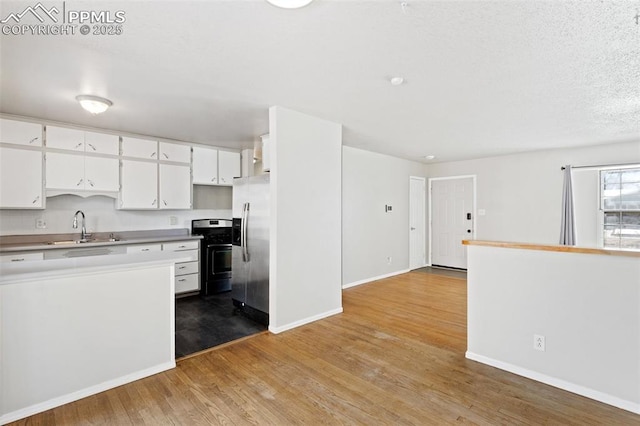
pixel 481 77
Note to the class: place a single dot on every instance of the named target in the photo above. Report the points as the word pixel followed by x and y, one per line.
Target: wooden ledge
pixel 544 247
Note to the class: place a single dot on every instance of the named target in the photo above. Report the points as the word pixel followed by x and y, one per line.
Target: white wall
pixel 522 193
pixel 102 216
pixel 370 235
pixel 586 305
pixel 305 263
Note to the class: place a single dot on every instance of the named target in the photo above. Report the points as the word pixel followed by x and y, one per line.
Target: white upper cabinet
pixel 139 185
pixel 175 187
pixel 205 166
pixel 75 173
pixel 21 179
pixel 175 152
pixel 228 167
pixel 81 141
pixel 101 143
pixel 20 132
pixel 139 148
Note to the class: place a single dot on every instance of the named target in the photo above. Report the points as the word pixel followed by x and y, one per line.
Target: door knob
pixel 469 231
pixel 413 229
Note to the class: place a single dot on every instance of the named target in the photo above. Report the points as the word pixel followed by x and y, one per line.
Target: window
pixel 620 205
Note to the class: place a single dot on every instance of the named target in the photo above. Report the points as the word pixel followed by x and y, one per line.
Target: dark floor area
pixel 205 322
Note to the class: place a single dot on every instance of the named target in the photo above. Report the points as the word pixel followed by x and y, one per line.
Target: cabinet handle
pixel 182 246
pixel 182 280
pixel 35 200
pixel 154 201
pixel 165 155
pixel 182 267
pixel 80 182
pixel 165 202
pixel 92 147
pixel 90 182
pixel 33 140
pixel 213 179
pixel 153 155
pixel 78 146
pixel 145 249
pixel 21 259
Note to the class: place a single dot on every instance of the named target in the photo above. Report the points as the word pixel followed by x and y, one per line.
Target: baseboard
pixel 83 393
pixel 558 383
pixel 379 277
pixel 276 330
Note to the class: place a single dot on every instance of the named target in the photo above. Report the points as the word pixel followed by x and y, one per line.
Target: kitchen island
pixel 565 316
pixel 71 328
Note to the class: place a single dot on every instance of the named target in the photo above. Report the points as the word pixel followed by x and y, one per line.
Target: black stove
pixel 215 256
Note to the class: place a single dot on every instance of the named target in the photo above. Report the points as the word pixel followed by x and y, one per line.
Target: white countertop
pixel 39 269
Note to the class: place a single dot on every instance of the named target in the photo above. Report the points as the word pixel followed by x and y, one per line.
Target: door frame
pixel 474 222
pixel 423 219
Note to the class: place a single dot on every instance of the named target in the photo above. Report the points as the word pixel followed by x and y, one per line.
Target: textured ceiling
pixel 481 78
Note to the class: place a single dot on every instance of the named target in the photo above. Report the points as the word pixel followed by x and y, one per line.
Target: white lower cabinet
pixel 21 257
pixel 21 179
pixel 187 273
pixel 144 248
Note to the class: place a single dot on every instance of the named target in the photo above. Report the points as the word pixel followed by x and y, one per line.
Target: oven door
pixel 220 259
pixel 217 268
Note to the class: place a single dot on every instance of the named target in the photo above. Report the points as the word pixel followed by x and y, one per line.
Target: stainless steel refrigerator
pixel 250 250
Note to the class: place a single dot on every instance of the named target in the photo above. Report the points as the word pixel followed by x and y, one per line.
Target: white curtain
pixel 568 223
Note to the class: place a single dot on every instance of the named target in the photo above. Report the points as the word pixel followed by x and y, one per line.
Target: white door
pixel 20 178
pixel 228 167
pixel 139 185
pixel 101 143
pixel 65 171
pixel 205 166
pixel 417 193
pixel 452 220
pixel 139 148
pixel 175 187
pixel 101 174
pixel 63 138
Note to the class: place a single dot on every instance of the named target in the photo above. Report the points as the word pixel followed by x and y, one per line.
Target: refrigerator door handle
pixel 245 245
pixel 244 209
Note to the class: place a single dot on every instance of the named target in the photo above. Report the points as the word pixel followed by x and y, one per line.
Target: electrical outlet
pixel 41 223
pixel 389 260
pixel 539 343
pixel 173 220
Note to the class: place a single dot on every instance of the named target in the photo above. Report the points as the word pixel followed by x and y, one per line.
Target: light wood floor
pixel 395 356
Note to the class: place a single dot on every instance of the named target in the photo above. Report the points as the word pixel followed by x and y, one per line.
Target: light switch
pixel 482 212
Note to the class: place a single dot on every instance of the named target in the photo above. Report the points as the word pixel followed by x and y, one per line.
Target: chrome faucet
pixel 83 230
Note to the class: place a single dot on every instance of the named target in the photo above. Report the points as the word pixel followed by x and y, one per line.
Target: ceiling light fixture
pixel 290 4
pixel 429 157
pixel 396 81
pixel 94 104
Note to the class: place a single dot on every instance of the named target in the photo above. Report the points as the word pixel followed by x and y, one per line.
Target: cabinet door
pixel 63 138
pixel 228 167
pixel 65 171
pixel 20 179
pixel 139 148
pixel 100 143
pixel 175 152
pixel 175 187
pixel 144 248
pixel 20 132
pixel 139 189
pixel 101 174
pixel 205 166
pixel 21 257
